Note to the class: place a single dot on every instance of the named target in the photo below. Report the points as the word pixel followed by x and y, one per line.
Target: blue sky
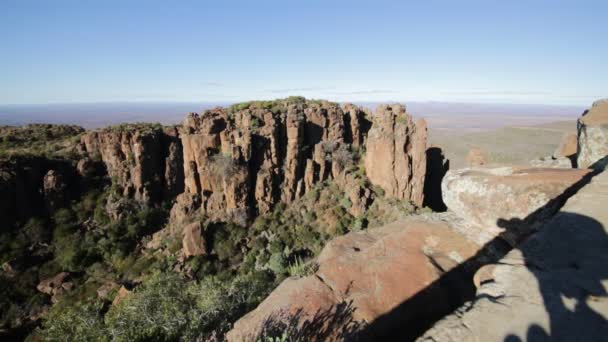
pixel 512 51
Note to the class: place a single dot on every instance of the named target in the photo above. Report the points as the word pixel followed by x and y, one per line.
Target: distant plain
pixel 509 133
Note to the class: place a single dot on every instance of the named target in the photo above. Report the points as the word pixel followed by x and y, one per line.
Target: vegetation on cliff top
pixel 38 140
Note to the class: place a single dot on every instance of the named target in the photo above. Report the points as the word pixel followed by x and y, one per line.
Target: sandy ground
pixel 509 133
pixel 507 145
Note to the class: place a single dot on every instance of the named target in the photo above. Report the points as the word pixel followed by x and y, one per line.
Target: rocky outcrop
pixel 193 242
pixel 367 271
pixel 56 286
pixel 487 197
pixel 567 147
pixel 241 161
pixel 143 160
pixel 398 279
pixel 593 136
pixel 54 188
pixel 122 293
pixel 395 158
pixel 550 288
pixel 34 186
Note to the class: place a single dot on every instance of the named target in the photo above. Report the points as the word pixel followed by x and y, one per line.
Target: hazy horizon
pixel 440 115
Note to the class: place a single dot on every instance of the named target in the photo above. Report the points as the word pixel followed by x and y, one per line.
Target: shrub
pixel 223 166
pixel 301 269
pixel 79 322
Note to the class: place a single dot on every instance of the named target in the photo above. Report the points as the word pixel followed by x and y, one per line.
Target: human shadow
pixel 569 260
pixel 437 165
pixel 453 288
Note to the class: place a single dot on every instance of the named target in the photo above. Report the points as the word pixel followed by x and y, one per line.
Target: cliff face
pixel 144 161
pixel 593 136
pixel 243 160
pixel 228 164
pixel 395 158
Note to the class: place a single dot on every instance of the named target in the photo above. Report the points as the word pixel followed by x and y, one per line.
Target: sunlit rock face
pixel 593 136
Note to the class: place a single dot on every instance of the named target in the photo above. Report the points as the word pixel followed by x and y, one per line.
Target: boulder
pixel 54 188
pixel 56 286
pixel 193 242
pixel 122 293
pixel 50 285
pixel 395 158
pixel 371 273
pixel 567 147
pixel 104 290
pixel 486 196
pixel 593 136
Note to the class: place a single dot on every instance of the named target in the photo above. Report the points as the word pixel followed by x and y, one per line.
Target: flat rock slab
pixel 553 287
pixel 370 273
pixel 487 197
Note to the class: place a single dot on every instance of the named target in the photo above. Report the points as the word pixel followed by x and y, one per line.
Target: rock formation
pixel 33 186
pixel 395 157
pixel 143 160
pixel 567 147
pixel 486 196
pixel 593 136
pixel 54 188
pixel 193 242
pixel 366 270
pixel 398 278
pixel 241 161
pixel 550 288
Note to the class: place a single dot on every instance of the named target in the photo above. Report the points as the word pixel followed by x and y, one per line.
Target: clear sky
pixel 509 51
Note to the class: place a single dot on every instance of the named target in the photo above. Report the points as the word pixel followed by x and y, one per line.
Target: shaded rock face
pixel 395 158
pixel 241 162
pixel 593 136
pixel 143 160
pixel 34 186
pixel 366 271
pixel 54 190
pixel 484 196
pixel 56 286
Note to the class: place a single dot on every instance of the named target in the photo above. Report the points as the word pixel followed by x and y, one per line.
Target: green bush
pixel 164 308
pixel 82 321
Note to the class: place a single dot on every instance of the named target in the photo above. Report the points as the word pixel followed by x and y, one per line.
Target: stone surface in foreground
pixel 370 273
pixel 553 287
pixel 487 197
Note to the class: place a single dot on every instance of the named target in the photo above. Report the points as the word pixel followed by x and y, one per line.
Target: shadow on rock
pixel 568 259
pixel 336 323
pixel 413 317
